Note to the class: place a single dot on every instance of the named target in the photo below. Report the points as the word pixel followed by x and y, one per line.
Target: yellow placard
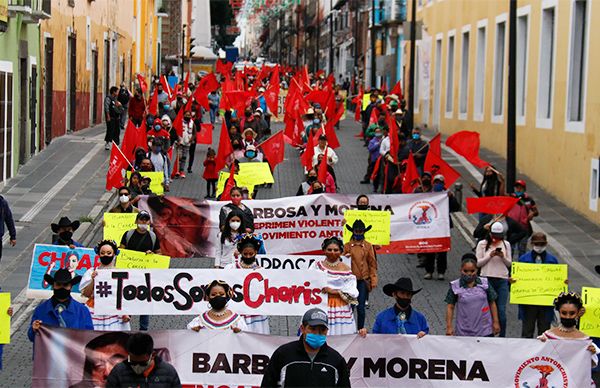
pixel 116 224
pixel 4 318
pixel 129 259
pixel 366 100
pixel 589 323
pixel 256 173
pixel 379 220
pixel 537 284
pixel 240 181
pixel 156 181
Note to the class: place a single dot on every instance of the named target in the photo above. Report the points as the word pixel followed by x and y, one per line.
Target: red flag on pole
pixel 410 179
pixel 436 165
pixel 225 148
pixel 226 195
pixel 309 152
pixel 176 163
pixel 271 95
pixel 394 142
pixel 133 139
pixel 322 173
pixel 491 205
pixel 358 105
pixel 466 144
pixel 435 145
pixel 186 83
pixel 397 90
pixel 204 135
pixel 142 82
pixel 153 104
pixel 167 87
pixel 332 139
pixel 273 149
pixel 117 163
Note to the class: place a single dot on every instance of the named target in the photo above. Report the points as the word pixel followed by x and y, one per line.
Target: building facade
pixel 556 105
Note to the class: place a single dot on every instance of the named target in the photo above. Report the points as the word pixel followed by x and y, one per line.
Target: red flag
pixel 271 95
pixel 273 149
pixel 358 105
pixel 117 163
pixel 167 88
pixel 436 165
pixel 491 205
pixel 142 82
pixel 225 148
pixel 186 83
pixel 466 144
pixel 309 152
pixel 332 139
pixel 384 87
pixel 397 90
pixel 176 163
pixel 394 142
pixel 204 135
pixel 178 122
pixel 226 195
pixel 322 173
pixel 209 83
pixel 410 179
pixel 435 145
pixel 133 139
pixel 153 104
pixel 239 100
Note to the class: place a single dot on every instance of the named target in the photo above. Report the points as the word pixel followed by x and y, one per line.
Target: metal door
pixel 33 105
pixel 48 87
pixel 23 109
pixel 72 100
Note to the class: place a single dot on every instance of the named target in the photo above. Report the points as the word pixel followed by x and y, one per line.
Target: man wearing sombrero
pixel 63 232
pixel 61 309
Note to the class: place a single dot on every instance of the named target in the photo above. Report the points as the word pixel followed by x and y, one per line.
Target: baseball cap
pixel 439 177
pixel 497 228
pixel 315 317
pixel 143 215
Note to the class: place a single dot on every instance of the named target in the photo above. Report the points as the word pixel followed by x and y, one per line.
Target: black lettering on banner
pixel 436 369
pixel 331 210
pixel 188 300
pixel 350 363
pixel 129 292
pixel 238 295
pixel 276 263
pixel 418 367
pixel 478 372
pixel 120 276
pixel 371 367
pixel 315 209
pixel 168 298
pixel 258 213
pixel 301 212
pixel 259 364
pixel 221 364
pixel 241 362
pixel 200 362
pixel 158 294
pixel 391 368
pixel 459 370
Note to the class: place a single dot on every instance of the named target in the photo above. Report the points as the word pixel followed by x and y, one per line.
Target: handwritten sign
pixel 157 178
pixel 590 321
pixel 537 284
pixel 129 259
pixel 379 220
pixel 4 318
pixel 256 173
pixel 240 180
pixel 116 224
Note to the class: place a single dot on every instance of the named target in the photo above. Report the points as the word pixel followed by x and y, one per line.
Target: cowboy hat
pixel 64 222
pixel 62 276
pixel 402 284
pixel 358 225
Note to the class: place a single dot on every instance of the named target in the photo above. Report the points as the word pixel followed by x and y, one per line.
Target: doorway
pixel 72 74
pixel 33 101
pixel 23 109
pixel 48 88
pixel 94 92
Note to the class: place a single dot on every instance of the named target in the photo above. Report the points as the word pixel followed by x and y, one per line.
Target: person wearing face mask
pixel 474 300
pixel 236 204
pixel 185 141
pixel 316 187
pixel 159 161
pixel 157 131
pixel 61 309
pixel 143 367
pixel 494 258
pixel 249 138
pixel 373 147
pixel 124 205
pixel 311 177
pixel 247 249
pixel 531 315
pixel 218 317
pixel 294 364
pixel 232 229
pixel 364 267
pixel 107 251
pixel 523 212
pixel 251 155
pixel 135 185
pixel 341 287
pixel 401 318
pixel 63 233
pixel 419 148
pixel 141 239
pixel 426 183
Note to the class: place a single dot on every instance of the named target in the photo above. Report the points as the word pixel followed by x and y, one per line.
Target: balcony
pixel 29 10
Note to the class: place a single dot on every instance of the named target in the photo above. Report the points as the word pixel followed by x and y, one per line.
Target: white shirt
pixel 384 147
pixel 330 154
pixel 494 266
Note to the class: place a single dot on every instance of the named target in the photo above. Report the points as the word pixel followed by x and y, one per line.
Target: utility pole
pixel 356 6
pixel 373 43
pixel 330 36
pixel 511 123
pixel 317 52
pixel 413 42
pixel 182 47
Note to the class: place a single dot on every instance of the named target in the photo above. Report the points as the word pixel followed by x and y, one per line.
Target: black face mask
pixel 106 260
pixel 218 302
pixel 247 114
pixel 62 293
pixel 317 191
pixel 66 236
pixel 362 207
pixel 403 302
pixel 248 260
pixel 311 179
pixel 426 182
pixel 568 322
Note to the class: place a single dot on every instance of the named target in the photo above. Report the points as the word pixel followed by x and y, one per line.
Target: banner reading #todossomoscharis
pixel 420 223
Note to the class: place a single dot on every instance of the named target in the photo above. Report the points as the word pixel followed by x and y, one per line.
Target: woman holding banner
pixel 341 287
pixel 232 228
pixel 248 247
pixel 107 251
pixel 219 317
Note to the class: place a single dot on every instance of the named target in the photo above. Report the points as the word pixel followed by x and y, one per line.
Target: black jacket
pixel 162 376
pixel 291 363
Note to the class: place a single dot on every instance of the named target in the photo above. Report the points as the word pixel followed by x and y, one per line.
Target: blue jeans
pixel 501 287
pixel 363 292
pixel 213 115
pixel 144 322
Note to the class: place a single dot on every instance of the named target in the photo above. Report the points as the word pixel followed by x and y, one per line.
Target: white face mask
pixel 143 226
pixel 539 249
pixel 124 198
pixel 235 225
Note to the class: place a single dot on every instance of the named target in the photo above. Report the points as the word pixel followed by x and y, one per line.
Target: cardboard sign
pixel 156 181
pixel 241 181
pixel 4 318
pixel 129 259
pixel 116 224
pixel 537 284
pixel 256 173
pixel 590 321
pixel 380 222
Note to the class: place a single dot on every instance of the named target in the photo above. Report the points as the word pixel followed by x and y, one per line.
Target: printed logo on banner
pixel 541 371
pixel 423 213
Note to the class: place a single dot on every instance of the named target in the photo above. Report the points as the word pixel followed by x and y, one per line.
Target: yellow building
pixel 465 43
pixel 145 46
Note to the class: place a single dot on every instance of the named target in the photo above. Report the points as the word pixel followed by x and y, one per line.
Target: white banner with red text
pixel 225 359
pixel 183 291
pixel 186 227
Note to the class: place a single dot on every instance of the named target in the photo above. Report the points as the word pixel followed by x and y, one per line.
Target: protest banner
pixel 419 223
pixel 537 284
pixel 49 258
pixel 378 221
pixel 589 323
pixel 182 291
pixel 128 259
pixel 221 358
pixel 156 180
pixel 275 261
pixel 280 107
pixel 4 318
pixel 116 224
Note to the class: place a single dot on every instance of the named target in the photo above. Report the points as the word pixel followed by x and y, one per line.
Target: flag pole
pixel 123 155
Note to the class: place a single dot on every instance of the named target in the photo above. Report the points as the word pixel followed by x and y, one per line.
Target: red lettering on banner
pixel 53 258
pixel 271 293
pixel 252 303
pixel 279 294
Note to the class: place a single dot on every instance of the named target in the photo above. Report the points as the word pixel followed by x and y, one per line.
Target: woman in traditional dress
pixel 218 317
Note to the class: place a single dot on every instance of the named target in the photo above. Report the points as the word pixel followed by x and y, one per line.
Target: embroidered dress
pixel 256 323
pixel 339 316
pixel 102 322
pixel 206 322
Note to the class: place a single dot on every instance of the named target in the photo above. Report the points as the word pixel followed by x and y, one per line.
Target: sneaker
pixel 366 304
pixel 365 182
pixel 441 276
pixel 189 170
pixel 182 175
pixel 428 276
pixel 107 146
pixel 177 174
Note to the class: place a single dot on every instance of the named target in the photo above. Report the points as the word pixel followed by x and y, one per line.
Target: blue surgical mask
pixel 379 134
pixel 315 341
pixel 167 107
pixel 158 149
pixel 358 237
pixel 519 193
pixel 316 121
pixel 416 136
pixel 250 154
pixel 438 187
pixel 157 127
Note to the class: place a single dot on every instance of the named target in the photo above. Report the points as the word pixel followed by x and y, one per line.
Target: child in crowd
pixel 218 317
pixel 210 173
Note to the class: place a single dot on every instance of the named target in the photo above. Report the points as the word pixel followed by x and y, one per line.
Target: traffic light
pixel 191 47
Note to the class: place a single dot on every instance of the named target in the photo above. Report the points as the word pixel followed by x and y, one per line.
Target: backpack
pixel 130 233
